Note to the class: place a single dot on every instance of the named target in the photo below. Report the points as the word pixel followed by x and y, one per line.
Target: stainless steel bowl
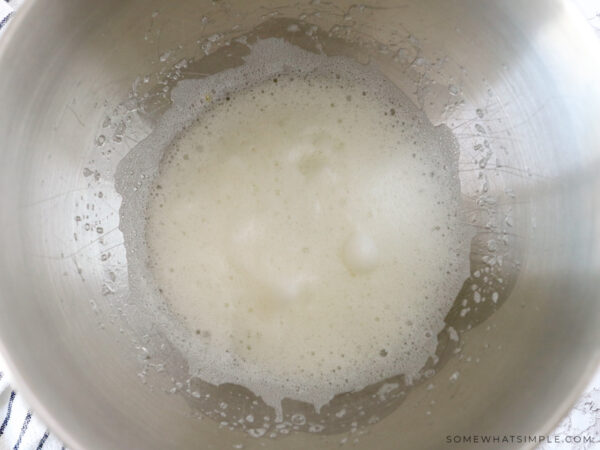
pixel 82 82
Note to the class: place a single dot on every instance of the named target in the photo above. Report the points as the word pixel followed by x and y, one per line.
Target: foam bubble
pixel 304 228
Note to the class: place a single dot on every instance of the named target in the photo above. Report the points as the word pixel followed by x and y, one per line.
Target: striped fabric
pixel 7 8
pixel 19 427
pixel 6 11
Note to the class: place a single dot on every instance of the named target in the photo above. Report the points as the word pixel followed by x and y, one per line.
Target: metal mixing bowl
pixel 517 83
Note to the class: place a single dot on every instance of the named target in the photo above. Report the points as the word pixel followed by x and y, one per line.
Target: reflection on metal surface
pixel 514 82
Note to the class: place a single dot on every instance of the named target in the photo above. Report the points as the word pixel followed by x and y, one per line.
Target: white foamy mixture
pixel 306 231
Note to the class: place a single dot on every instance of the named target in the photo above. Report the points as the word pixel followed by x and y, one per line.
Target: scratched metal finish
pixel 515 82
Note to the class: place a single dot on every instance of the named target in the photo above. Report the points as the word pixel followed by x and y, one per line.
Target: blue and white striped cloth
pixel 7 8
pixel 6 11
pixel 20 429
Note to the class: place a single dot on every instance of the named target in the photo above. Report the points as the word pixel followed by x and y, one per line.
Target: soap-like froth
pixel 306 231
